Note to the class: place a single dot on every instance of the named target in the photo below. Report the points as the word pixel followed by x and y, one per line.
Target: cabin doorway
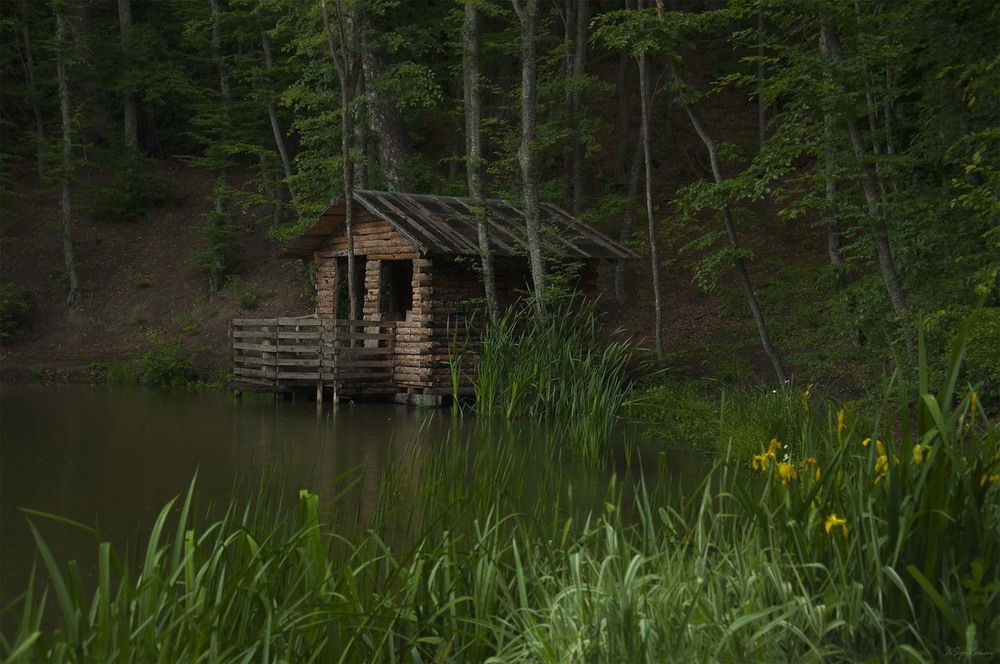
pixel 396 301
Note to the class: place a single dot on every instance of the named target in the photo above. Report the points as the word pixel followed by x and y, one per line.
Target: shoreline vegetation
pixel 845 536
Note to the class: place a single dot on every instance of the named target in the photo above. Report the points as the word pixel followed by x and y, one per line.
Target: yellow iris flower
pixel 833 521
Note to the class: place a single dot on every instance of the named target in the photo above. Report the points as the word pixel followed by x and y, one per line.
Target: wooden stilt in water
pixel 319 398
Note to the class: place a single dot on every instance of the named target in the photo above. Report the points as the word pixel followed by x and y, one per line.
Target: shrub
pixel 135 191
pixel 163 364
pixel 14 307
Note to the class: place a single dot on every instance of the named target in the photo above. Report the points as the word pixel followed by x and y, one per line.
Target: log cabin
pixel 417 281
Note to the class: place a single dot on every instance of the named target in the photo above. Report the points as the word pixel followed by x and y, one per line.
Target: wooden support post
pixel 319 398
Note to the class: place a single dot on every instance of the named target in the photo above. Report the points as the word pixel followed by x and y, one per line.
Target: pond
pixel 111 459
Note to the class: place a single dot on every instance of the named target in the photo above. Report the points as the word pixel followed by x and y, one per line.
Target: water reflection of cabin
pixel 417 280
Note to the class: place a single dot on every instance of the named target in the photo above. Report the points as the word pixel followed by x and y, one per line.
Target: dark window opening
pixel 397 289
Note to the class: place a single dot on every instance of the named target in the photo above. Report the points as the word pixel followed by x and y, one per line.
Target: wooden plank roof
pixel 447 225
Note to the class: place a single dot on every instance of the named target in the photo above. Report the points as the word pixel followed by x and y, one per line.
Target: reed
pixel 841 550
pixel 562 367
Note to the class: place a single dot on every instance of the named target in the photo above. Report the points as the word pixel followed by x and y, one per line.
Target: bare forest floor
pixel 137 279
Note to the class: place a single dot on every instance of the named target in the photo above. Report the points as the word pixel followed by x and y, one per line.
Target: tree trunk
pixel 129 117
pixel 830 46
pixel 632 192
pixel 29 67
pixel 739 264
pixel 528 16
pixel 761 74
pixel 621 95
pixel 393 146
pixel 569 23
pixel 344 64
pixel 834 241
pixel 67 153
pixel 225 90
pixel 473 144
pixel 272 110
pixel 579 59
pixel 645 96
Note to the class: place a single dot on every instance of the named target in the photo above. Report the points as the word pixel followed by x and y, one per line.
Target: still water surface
pixel 113 458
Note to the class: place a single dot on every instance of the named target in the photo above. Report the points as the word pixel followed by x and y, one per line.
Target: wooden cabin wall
pixel 374 238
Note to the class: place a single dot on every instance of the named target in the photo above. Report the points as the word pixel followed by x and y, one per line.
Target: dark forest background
pixel 825 173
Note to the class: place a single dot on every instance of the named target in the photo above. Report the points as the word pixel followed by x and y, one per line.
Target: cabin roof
pixel 447 225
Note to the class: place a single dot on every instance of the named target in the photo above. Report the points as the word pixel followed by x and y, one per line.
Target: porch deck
pixel 346 357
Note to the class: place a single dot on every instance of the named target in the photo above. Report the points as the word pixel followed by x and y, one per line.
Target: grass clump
pixel 560 367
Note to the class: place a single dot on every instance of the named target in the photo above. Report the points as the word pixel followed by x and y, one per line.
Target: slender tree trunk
pixel 528 15
pixel 272 109
pixel 621 95
pixel 393 146
pixel 830 46
pixel 67 153
pixel 761 74
pixel 225 90
pixel 29 67
pixel 834 240
pixel 628 219
pixel 739 264
pixel 473 144
pixel 344 64
pixel 129 116
pixel 579 60
pixel 568 52
pixel 645 96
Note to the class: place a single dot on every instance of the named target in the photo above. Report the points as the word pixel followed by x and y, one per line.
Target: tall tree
pixel 342 54
pixel 576 104
pixel 830 45
pixel 474 151
pixel 392 146
pixel 272 109
pixel 130 120
pixel 62 78
pixel 29 70
pixel 646 97
pixel 527 153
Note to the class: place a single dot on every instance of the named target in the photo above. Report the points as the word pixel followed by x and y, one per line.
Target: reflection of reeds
pixel 559 368
pixel 849 558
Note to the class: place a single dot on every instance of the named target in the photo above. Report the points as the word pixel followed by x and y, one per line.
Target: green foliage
pixel 982 367
pixel 685 414
pixel 138 279
pixel 14 307
pixel 162 364
pixel 246 293
pixel 134 191
pixel 218 258
pixel 561 367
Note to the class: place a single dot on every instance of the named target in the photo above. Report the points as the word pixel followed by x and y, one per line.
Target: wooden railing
pixel 347 356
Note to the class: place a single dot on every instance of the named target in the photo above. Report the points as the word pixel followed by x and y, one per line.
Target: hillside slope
pixel 136 279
